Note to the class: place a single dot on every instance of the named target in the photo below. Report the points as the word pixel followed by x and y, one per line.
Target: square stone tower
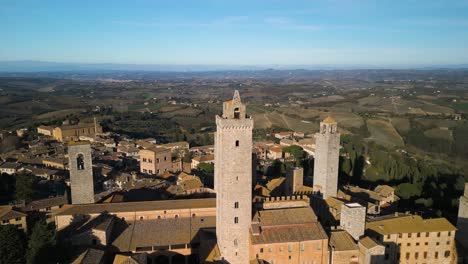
pixel 233 181
pixel 462 221
pixel 81 172
pixel 327 152
pixel 353 219
pixel 294 180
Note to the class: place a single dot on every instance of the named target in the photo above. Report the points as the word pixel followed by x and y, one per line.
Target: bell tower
pixel 81 172
pixel 233 181
pixel 326 158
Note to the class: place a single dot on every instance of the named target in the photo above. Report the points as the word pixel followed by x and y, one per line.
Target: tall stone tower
pixel 327 151
pixel 233 181
pixel 81 172
pixel 462 222
pixel 97 126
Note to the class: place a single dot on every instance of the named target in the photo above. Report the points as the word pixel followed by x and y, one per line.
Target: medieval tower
pixel 462 222
pixel 81 172
pixel 294 180
pixel 233 181
pixel 327 151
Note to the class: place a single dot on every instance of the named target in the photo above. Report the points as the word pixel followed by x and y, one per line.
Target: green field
pixel 382 132
pixel 439 133
pixel 401 124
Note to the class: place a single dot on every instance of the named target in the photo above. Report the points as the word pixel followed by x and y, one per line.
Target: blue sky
pixel 287 32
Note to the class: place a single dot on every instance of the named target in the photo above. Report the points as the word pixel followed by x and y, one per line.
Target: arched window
pixel 80 162
pixel 236 205
pixel 236 113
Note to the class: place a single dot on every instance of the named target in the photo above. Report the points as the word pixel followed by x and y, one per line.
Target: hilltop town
pixel 279 198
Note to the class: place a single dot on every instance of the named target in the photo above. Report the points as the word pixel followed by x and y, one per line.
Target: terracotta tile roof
pixel 276 149
pixel 410 224
pixel 290 216
pixel 286 225
pixel 131 259
pixel 384 190
pixel 365 194
pixel 281 234
pixel 101 222
pixel 7 213
pixel 9 165
pixel 90 256
pixel 181 144
pixel 156 149
pixel 75 143
pixel 136 206
pixel 368 242
pixel 192 183
pixel 173 231
pixel 44 203
pixel 204 158
pixel 342 241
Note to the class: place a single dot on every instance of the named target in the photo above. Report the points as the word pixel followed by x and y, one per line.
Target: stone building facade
pixel 327 150
pixel 286 230
pixel 81 172
pixel 412 239
pixel 233 181
pixel 73 132
pixel 370 252
pixel 155 160
pixel 343 249
pixel 11 216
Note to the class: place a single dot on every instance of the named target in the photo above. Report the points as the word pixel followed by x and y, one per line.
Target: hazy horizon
pixel 49 66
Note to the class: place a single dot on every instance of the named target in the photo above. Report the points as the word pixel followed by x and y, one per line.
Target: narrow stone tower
pixel 327 151
pixel 462 222
pixel 97 126
pixel 233 181
pixel 81 172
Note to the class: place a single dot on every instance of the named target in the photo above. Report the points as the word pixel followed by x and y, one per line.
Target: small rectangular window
pixel 236 220
pixel 237 143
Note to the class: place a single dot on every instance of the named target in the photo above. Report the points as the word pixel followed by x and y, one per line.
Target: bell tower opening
pixel 79 162
pixel 236 113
